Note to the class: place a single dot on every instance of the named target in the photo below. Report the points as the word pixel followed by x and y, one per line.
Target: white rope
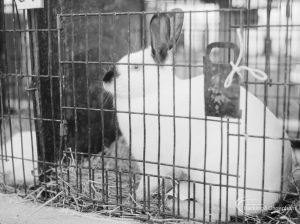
pixel 237 68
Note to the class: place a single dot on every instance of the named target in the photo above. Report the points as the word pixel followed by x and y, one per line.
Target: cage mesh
pixel 61 141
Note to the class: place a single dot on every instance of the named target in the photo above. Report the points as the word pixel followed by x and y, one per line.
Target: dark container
pixel 221 101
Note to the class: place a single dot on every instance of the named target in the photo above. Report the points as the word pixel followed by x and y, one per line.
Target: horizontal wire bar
pixel 138 216
pixel 29 118
pixel 25 159
pixel 27 30
pixel 3 75
pixel 119 63
pixel 194 30
pixel 295 98
pixel 27 75
pixel 155 64
pixel 163 115
pixel 144 13
pixel 149 114
pixel 192 181
pixel 258 26
pixel 263 137
pixel 151 175
pixel 166 115
pixel 272 83
pixel 150 162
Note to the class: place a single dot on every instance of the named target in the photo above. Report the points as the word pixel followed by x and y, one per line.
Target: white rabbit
pixel 213 146
pixel 22 168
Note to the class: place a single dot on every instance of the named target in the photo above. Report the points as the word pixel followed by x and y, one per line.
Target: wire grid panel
pixel 173 153
pixel 18 154
pixel 168 159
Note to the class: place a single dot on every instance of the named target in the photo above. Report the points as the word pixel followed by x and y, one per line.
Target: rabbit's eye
pixel 136 67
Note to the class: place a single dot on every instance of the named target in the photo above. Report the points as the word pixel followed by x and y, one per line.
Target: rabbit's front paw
pixel 145 192
pixel 140 192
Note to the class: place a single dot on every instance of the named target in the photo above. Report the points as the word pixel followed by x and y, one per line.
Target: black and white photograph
pixel 149 111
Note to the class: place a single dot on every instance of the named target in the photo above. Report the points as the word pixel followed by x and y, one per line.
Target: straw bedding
pixel 108 188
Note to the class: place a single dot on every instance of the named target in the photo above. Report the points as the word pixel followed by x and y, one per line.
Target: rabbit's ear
pixel 176 22
pixel 165 30
pixel 160 36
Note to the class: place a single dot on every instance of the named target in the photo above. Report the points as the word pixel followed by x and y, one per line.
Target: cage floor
pixel 108 188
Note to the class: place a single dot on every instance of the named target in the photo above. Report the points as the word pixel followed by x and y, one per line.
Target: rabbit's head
pixel 138 72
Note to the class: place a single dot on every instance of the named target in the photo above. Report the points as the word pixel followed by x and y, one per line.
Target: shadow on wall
pixel 94 39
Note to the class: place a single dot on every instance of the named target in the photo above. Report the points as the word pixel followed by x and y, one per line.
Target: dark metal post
pixel 2 58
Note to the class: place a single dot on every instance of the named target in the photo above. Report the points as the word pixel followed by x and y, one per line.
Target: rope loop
pixel 237 68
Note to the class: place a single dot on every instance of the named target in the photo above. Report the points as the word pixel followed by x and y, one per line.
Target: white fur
pixel 20 169
pixel 160 137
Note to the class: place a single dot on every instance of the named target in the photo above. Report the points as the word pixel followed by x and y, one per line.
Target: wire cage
pixel 102 108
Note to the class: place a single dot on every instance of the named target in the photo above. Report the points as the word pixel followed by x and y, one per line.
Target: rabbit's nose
pixel 108 77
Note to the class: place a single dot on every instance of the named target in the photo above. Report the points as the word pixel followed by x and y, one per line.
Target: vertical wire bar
pixel 88 98
pixel 121 197
pixel 80 179
pixel 15 64
pixel 190 113
pixel 298 131
pixel 10 135
pixel 68 181
pixel 267 69
pixel 129 109
pixel 3 148
pixel 221 173
pixel 210 207
pixel 93 178
pixel 256 55
pixel 205 145
pixel 74 90
pixel 285 86
pixel 290 65
pixel 246 113
pixel 17 79
pixel 174 117
pixel 101 103
pixel 279 60
pixel 3 154
pixel 134 193
pixel 239 139
pixel 178 198
pixel 163 197
pixel 38 103
pixel 148 183
pixel 238 167
pixel 144 111
pixel 227 121
pixel 106 186
pixel 159 123
pixel 2 96
pixel 227 169
pixel 50 74
pixel 2 99
pixel 62 138
pixel 289 45
pixel 22 72
pixel 229 28
pixel 116 106
pixel 61 85
pixel 194 201
pixel 26 41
